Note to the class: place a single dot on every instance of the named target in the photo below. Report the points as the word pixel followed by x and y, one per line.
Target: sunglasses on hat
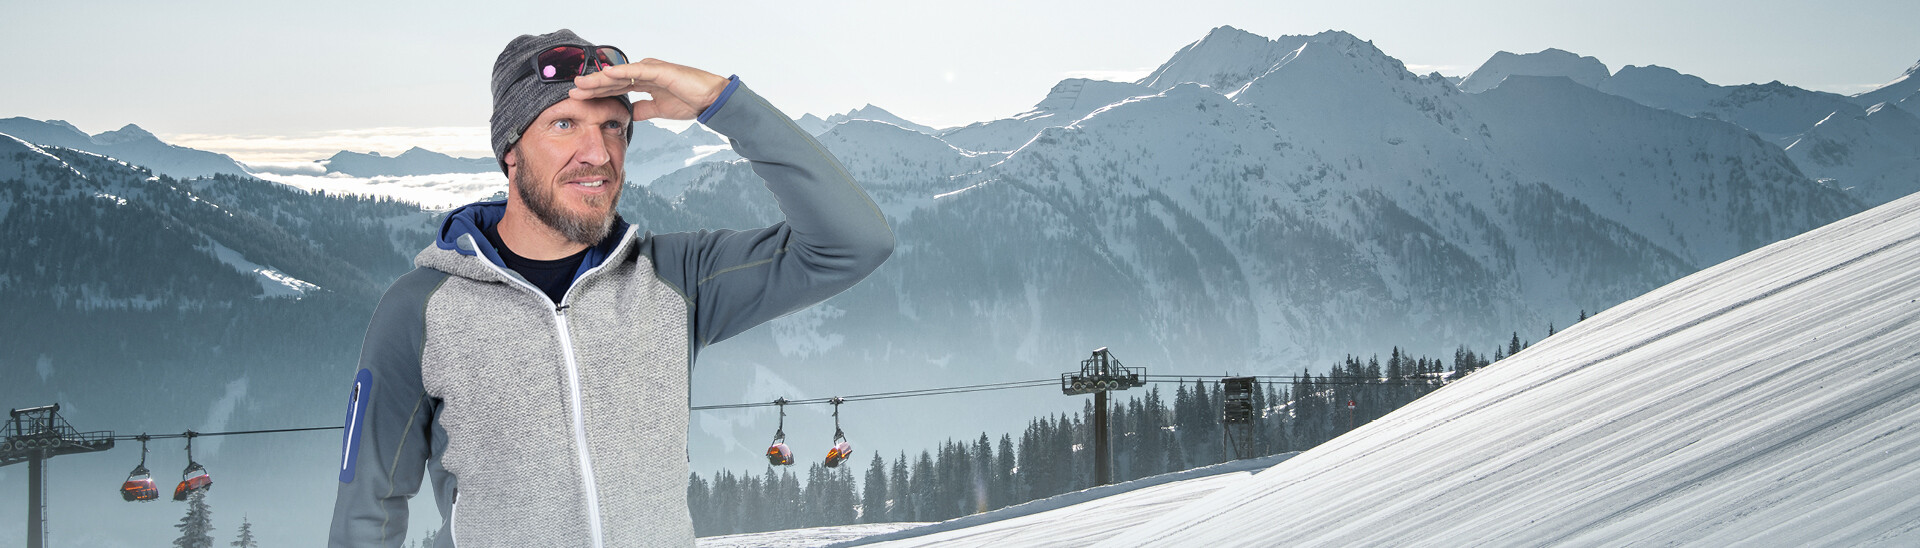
pixel 562 63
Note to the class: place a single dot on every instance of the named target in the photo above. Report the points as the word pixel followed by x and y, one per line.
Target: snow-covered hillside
pixel 1768 399
pixel 129 144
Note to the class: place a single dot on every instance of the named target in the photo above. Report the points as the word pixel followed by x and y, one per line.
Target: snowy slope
pixel 1768 399
pixel 1587 71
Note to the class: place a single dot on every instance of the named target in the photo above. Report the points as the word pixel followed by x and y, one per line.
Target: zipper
pixel 592 492
pixel 579 421
pixel 453 522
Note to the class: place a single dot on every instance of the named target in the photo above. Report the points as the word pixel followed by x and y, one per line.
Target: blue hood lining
pixel 469 220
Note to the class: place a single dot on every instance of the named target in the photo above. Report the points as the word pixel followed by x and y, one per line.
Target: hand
pixel 679 92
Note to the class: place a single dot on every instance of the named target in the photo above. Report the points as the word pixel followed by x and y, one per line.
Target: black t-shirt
pixel 552 277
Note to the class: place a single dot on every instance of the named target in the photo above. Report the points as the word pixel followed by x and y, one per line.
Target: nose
pixel 593 150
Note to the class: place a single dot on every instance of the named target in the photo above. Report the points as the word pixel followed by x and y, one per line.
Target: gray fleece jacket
pixel 544 425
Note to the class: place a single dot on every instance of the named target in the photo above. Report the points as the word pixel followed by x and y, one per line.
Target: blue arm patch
pixel 356 415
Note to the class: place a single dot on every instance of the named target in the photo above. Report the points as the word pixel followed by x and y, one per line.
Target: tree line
pixel 1054 454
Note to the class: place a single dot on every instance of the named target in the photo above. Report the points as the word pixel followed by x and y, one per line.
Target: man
pixel 535 363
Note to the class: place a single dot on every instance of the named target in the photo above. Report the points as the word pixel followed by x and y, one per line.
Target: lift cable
pixel 193 434
pixel 891 395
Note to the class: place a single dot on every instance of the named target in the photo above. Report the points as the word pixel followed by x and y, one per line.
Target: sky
pixel 296 81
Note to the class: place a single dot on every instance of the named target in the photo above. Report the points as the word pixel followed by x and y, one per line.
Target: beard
pixel 582 228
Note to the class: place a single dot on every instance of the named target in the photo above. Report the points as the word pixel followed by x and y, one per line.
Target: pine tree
pixel 842 512
pixel 873 497
pixel 426 540
pixel 982 472
pixel 900 488
pixel 246 535
pixel 1514 346
pixel 699 503
pixel 922 488
pixel 1000 492
pixel 196 527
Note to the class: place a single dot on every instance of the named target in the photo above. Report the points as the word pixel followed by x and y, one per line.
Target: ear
pixel 513 156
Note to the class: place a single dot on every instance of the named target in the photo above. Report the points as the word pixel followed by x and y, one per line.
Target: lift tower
pixel 34 435
pixel 1099 374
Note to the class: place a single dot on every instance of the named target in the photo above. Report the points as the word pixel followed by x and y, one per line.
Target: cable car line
pixel 193 434
pixel 889 395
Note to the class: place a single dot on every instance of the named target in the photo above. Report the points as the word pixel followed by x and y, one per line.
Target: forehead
pixel 591 110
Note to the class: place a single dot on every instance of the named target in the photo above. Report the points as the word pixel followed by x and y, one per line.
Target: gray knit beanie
pixel 519 97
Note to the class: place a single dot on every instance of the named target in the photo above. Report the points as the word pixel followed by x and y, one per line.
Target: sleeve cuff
pixel 733 83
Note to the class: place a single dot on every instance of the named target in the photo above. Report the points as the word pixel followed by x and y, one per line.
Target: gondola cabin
pixel 839 453
pixel 195 478
pixel 779 455
pixel 139 488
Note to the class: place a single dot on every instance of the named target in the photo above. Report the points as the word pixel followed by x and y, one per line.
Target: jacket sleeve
pixel 386 442
pixel 833 235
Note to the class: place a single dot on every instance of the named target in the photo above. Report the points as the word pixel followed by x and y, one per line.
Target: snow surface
pixel 1768 399
pixel 273 282
pixel 802 538
pixel 1080 518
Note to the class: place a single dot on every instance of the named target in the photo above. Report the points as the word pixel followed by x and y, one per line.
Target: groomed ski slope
pixel 1773 399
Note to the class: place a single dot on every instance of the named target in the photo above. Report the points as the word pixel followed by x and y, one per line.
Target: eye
pixel 563 124
pixel 613 125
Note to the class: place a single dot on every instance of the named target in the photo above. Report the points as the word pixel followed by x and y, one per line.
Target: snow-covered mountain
pixel 415 161
pixel 1227 58
pixel 1828 136
pixel 877 114
pixel 1874 155
pixel 1766 400
pixel 1775 111
pixel 1068 102
pixel 1587 71
pixel 655 151
pixel 131 144
pixel 1900 90
pixel 1333 203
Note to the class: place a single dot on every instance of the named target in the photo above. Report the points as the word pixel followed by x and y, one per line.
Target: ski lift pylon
pixel 139 485
pixel 842 449
pixel 778 454
pixel 194 477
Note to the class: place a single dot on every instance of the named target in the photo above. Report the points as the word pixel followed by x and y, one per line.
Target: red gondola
pixel 139 486
pixel 778 454
pixel 842 449
pixel 194 477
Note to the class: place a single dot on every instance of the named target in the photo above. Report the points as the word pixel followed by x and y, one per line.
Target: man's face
pixel 568 167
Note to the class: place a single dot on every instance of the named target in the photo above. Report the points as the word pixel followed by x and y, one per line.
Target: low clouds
pixel 284 153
